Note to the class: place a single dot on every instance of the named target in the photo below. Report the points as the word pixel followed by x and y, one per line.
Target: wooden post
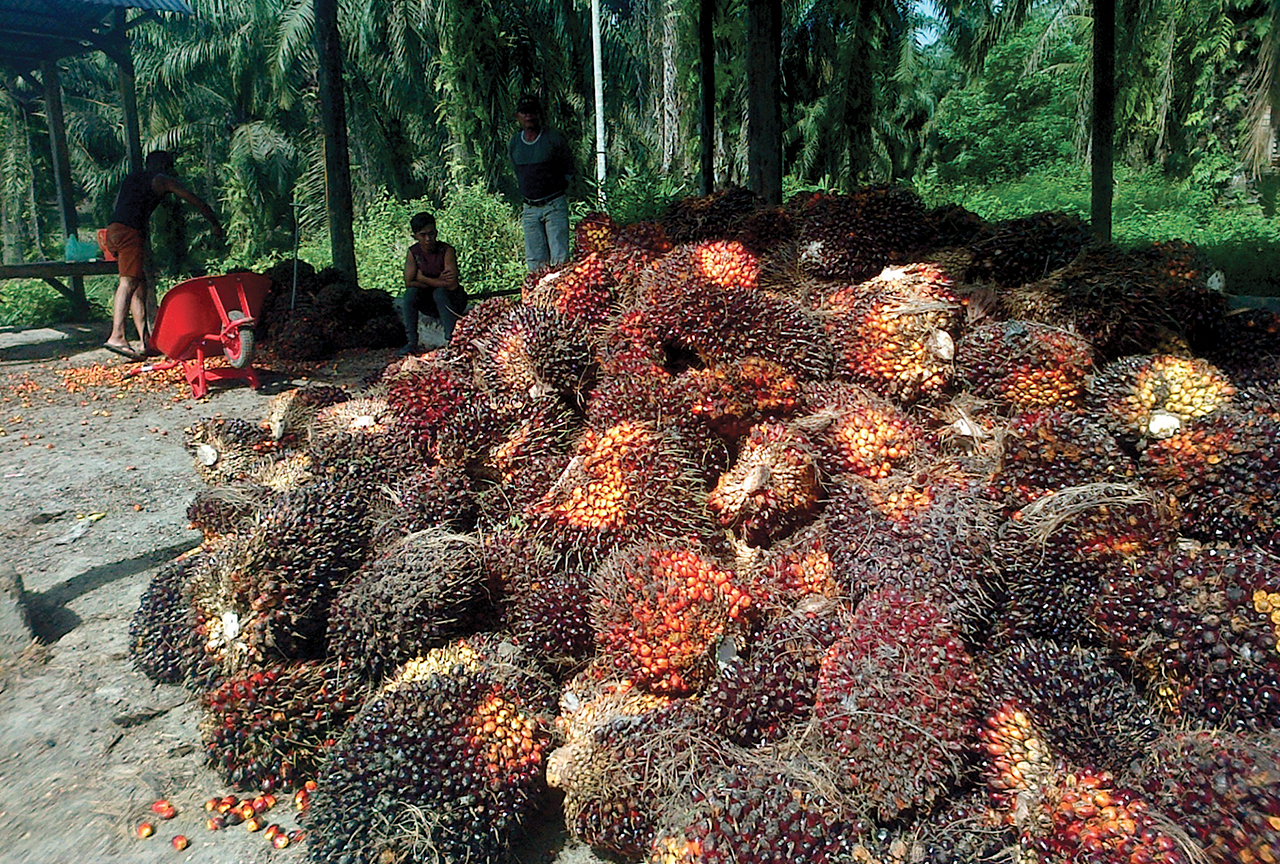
pixel 1104 116
pixel 122 54
pixel 764 113
pixel 62 171
pixel 707 122
pixel 333 119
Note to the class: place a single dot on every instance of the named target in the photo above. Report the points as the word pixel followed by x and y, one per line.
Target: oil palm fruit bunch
pixel 762 695
pixel 1021 250
pixel 1023 365
pixel 514 473
pixel 766 230
pixel 302 335
pixel 269 729
pixel 1142 397
pixel 165 643
pixel 725 264
pixel 1052 449
pixel 594 233
pixel 1087 711
pixel 444 763
pixel 962 827
pixel 226 449
pixel 1223 470
pixel 753 813
pixel 439 496
pixel 702 217
pixel 894 333
pixel 927 533
pixel 659 612
pixel 531 353
pixel 796 569
pixel 635 249
pixel 1055 557
pixel 855 236
pixel 361 441
pixel 1018 764
pixel 443 412
pixel 627 482
pixel 952 225
pixel 581 292
pixel 1222 788
pixel 731 397
pixel 895 704
pixel 857 432
pixel 290 413
pixel 1245 345
pixel 226 508
pixel 546 606
pixel 772 488
pixel 425 591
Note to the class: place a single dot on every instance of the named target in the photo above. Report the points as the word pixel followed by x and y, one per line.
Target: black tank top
pixel 136 200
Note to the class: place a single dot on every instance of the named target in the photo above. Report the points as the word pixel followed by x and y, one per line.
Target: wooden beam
pixel 62 172
pixel 764 113
pixel 1102 147
pixel 333 120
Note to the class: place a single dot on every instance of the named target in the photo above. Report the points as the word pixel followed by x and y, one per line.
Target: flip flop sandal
pixel 124 352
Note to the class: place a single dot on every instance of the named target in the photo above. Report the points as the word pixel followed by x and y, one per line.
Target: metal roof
pixel 32 31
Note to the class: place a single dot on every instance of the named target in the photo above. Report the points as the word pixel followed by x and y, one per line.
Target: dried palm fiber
pixel 1201 629
pixel 546 606
pixel 362 440
pixel 1224 471
pixel 757 810
pixel 625 758
pixel 1023 365
pixel 225 509
pixel 1245 345
pixel 223 450
pixel 659 611
pixel 725 264
pixel 1052 449
pixel 628 482
pixel 581 292
pixel 165 641
pixel 857 432
pixel 1141 397
pixel 287 470
pixel 444 412
pixel 1086 710
pixel 291 412
pixel 894 333
pixel 439 496
pixel 1222 788
pixel 855 236
pixel 531 353
pixel 513 474
pixel 732 397
pixel 705 324
pixel 593 234
pixel 950 225
pixel 635 249
pixel 1013 252
pixel 767 230
pixel 962 828
pixel 895 703
pixel 709 217
pixel 271 729
pixel 265 593
pixel 1054 557
pixel 928 533
pixel 773 486
pixel 424 592
pixel 445 763
pixel 1085 815
pixel 781 275
pixel 768 690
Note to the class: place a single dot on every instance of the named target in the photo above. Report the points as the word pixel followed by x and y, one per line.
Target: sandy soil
pixel 95 487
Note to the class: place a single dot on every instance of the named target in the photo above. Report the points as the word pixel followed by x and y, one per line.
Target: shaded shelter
pixel 34 36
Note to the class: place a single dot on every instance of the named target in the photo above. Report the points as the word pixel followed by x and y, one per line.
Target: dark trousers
pixel 444 308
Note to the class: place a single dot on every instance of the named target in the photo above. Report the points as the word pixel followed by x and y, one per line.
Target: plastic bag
pixel 78 250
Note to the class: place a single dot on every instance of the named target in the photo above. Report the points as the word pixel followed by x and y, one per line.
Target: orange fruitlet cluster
pixel 1092 819
pixel 728 264
pixel 1018 757
pixel 504 736
pixel 1026 365
pixel 598 499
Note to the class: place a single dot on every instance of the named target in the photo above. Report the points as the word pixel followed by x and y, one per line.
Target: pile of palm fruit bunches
pixel 847 530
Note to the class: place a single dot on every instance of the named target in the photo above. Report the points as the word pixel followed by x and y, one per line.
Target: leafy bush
pixel 32 303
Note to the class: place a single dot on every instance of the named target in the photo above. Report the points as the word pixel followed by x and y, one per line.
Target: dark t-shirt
pixel 429 263
pixel 541 165
pixel 137 200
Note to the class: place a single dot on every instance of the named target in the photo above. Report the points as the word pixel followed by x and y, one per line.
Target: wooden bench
pixel 49 271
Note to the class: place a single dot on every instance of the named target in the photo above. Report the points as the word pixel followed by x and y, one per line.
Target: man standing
pixel 544 167
pixel 139 195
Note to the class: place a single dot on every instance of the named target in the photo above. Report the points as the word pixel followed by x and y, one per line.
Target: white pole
pixel 598 67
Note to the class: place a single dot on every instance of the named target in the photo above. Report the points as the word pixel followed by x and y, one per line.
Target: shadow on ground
pixel 49 343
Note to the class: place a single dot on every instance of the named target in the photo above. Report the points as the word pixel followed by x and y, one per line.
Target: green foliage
pixel 480 225
pixel 32 303
pixel 635 195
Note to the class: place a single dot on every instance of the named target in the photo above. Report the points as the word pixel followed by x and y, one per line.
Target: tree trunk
pixel 333 119
pixel 123 57
pixel 1104 111
pixel 666 94
pixel 707 120
pixel 764 114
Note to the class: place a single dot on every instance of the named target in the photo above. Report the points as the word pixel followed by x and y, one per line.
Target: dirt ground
pixel 95 487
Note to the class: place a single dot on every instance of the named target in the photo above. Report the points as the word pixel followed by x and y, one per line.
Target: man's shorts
pixel 130 249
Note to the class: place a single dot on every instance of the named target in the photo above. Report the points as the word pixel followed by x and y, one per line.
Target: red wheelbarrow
pixel 204 316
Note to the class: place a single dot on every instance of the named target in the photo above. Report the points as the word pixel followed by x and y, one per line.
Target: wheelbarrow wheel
pixel 239 348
